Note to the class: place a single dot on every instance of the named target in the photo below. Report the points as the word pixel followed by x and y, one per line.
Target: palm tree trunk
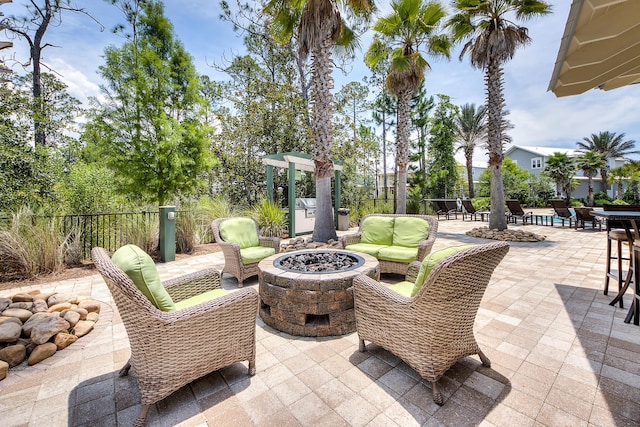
pixel 469 161
pixel 404 124
pixel 590 194
pixel 495 114
pixel 322 110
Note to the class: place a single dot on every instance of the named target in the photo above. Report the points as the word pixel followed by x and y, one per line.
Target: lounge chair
pixel 515 212
pixel 470 210
pixel 443 208
pixel 562 211
pixel 433 329
pixel 242 246
pixel 583 214
pixel 179 330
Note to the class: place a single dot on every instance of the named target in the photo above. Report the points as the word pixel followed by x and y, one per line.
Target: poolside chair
pixel 433 329
pixel 515 212
pixel 562 211
pixel 583 215
pixel 470 210
pixel 242 246
pixel 179 330
pixel 442 208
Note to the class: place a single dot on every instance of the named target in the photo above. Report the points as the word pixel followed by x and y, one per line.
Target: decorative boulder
pixel 35 320
pixel 10 332
pixel 63 340
pixel 4 303
pixel 43 331
pixel 13 354
pixel 90 305
pixel 19 313
pixel 72 317
pixel 4 368
pixel 22 298
pixel 42 352
pixel 82 328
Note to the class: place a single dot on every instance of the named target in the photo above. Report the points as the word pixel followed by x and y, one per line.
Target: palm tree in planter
pixel 402 36
pixel 590 163
pixel 491 38
pixel 320 26
pixel 609 146
pixel 561 169
pixel 470 131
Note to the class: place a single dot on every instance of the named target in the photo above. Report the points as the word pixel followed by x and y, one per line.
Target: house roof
pixel 600 47
pixel 543 151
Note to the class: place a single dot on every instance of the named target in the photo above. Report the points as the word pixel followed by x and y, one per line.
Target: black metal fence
pixel 109 231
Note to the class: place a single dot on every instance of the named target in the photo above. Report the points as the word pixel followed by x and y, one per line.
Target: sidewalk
pixel 560 356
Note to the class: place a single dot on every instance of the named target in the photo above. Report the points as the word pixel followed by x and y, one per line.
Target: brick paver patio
pixel 561 356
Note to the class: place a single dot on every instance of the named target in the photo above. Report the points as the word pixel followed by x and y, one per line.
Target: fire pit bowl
pixel 313 298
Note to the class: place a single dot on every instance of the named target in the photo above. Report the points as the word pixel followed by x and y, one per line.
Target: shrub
pixel 271 219
pixel 186 231
pixel 143 233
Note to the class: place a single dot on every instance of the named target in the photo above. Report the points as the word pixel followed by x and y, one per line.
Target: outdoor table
pixel 544 219
pixel 630 220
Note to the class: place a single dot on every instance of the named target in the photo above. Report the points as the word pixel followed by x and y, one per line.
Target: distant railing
pixel 109 230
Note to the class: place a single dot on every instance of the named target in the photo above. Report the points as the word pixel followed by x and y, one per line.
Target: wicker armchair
pixel 232 251
pixel 424 247
pixel 171 349
pixel 433 330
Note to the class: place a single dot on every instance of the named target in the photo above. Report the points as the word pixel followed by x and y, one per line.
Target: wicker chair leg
pixel 362 347
pixel 485 360
pixel 125 369
pixel 240 283
pixel 142 416
pixel 437 396
pixel 252 367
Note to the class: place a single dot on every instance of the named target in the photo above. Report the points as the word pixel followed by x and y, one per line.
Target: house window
pixel 536 163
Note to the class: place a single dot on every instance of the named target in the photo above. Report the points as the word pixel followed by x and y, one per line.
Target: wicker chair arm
pixel 240 303
pixel 193 284
pixel 350 239
pixel 270 242
pixel 412 271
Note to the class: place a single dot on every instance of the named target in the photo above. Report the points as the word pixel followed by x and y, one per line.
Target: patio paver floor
pixel 560 356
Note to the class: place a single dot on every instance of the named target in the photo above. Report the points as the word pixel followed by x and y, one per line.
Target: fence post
pixel 167 238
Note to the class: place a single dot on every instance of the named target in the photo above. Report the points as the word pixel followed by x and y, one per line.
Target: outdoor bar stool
pixel 616 233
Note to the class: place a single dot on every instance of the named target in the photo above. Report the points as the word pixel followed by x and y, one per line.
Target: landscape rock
pixel 4 303
pixel 92 306
pixel 92 317
pixel 40 306
pixel 59 307
pixel 506 235
pixel 22 304
pixel 10 332
pixel 43 331
pixel 34 320
pixel 72 317
pixel 82 312
pixel 13 354
pixel 61 298
pixel 41 296
pixel 22 298
pixel 82 328
pixel 63 340
pixel 4 319
pixel 19 313
pixel 42 352
pixel 4 369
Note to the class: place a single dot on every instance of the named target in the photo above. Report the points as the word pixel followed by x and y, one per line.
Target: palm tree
pixel 320 27
pixel 401 35
pixel 609 146
pixel 590 163
pixel 492 37
pixel 617 176
pixel 470 130
pixel 561 169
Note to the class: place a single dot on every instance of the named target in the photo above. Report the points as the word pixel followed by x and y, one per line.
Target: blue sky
pixel 538 116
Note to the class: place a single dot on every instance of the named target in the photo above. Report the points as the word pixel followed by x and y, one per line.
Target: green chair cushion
pixel 430 261
pixel 409 231
pixel 367 248
pixel 377 230
pixel 403 288
pixel 241 231
pixel 255 254
pixel 141 269
pixel 398 254
pixel 200 298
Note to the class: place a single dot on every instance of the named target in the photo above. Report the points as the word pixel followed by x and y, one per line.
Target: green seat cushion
pixel 377 230
pixel 200 298
pixel 430 261
pixel 141 269
pixel 367 248
pixel 403 288
pixel 398 254
pixel 255 254
pixel 409 231
pixel 241 231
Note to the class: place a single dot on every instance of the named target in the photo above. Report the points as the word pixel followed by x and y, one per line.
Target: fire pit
pixel 309 293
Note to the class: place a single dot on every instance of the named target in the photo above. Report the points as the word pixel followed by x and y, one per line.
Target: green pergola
pixel 294 161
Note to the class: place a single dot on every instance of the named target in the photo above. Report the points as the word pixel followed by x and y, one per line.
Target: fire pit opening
pixel 319 261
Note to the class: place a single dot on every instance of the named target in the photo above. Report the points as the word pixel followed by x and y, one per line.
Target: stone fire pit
pixel 312 303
